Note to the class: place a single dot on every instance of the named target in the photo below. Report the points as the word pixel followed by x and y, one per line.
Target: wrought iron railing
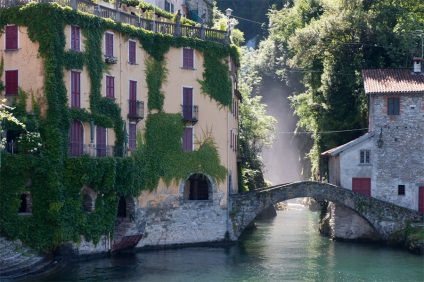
pixel 118 16
pixel 135 109
pixel 190 113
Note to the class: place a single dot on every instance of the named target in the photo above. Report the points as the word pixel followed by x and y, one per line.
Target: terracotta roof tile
pixel 392 81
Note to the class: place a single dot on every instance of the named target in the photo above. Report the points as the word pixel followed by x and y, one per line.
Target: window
pixel 101 141
pixel 75 89
pixel 87 202
pixel 235 108
pixel 132 134
pixel 401 189
pixel 188 58
pixel 365 157
pixel 197 188
pixel 393 106
pixel 132 59
pixel 110 86
pixel 11 79
pixel 76 144
pixel 169 7
pixel 109 44
pixel 188 104
pixel 26 203
pixel 188 139
pixel 122 207
pixel 75 38
pixel 11 37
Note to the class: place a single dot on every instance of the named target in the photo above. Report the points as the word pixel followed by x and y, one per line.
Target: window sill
pixel 197 201
pixel 111 97
pixel 11 50
pixel 10 94
pixel 25 213
pixel 364 164
pixel 183 68
pixel 73 50
pixel 133 64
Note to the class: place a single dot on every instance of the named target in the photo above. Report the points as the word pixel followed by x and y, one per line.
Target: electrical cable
pixel 321 132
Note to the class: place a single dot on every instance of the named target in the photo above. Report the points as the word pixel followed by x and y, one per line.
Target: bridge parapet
pixel 389 221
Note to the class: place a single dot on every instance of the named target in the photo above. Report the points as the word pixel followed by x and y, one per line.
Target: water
pixel 287 248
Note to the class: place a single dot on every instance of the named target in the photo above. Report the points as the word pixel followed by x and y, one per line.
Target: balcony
pixel 135 110
pixel 96 150
pixel 190 113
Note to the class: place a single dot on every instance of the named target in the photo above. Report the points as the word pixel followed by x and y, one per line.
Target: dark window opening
pixel 401 189
pixel 87 203
pixel 197 187
pixel 393 106
pixel 122 207
pixel 26 203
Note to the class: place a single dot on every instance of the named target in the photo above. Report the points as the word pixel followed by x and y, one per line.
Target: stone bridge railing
pixel 387 219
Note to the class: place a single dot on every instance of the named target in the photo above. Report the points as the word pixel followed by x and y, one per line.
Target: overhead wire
pixel 320 132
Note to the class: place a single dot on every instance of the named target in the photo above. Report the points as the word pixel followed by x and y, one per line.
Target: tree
pixel 257 129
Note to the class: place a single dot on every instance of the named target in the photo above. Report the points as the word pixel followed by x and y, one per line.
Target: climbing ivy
pixel 55 180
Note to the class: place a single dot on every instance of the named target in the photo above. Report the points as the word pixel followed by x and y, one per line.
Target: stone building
pixel 388 162
pixel 92 88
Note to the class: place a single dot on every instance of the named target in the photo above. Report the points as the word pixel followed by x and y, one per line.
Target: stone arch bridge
pixel 388 220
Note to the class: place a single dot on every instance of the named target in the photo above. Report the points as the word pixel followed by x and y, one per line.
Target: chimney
pixel 417 65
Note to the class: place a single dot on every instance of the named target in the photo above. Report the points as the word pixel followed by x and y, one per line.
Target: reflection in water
pixel 287 248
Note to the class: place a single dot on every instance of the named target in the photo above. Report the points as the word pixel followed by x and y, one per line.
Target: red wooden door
pixel 77 139
pixel 421 199
pixel 362 185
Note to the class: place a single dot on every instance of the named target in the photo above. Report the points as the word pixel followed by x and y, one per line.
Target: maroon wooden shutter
pixel 109 44
pixel 362 185
pixel 187 103
pixel 133 98
pixel 11 81
pixel 75 38
pixel 101 141
pixel 188 58
pixel 77 141
pixel 132 49
pixel 188 139
pixel 421 199
pixel 132 135
pixel 110 87
pixel 11 37
pixel 75 90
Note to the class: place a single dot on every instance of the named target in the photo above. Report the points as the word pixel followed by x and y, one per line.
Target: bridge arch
pixel 387 219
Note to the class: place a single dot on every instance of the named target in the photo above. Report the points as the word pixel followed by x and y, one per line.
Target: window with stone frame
pixel 365 157
pixel 393 105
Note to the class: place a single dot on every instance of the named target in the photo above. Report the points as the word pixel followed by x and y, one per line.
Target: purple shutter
pixel 75 90
pixel 75 38
pixel 188 139
pixel 11 37
pixel 187 103
pixel 110 87
pixel 11 82
pixel 132 133
pixel 76 142
pixel 133 98
pixel 101 141
pixel 132 48
pixel 109 44
pixel 188 58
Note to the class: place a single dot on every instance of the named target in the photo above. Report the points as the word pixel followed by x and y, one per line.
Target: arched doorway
pixel 122 207
pixel 198 188
pixel 26 203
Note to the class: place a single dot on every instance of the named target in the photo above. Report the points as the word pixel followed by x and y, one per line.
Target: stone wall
pixel 401 157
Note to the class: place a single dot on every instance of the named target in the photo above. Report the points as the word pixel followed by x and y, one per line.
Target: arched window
pixel 197 187
pixel 26 203
pixel 122 207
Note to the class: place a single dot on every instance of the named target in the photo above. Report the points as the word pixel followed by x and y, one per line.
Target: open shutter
pixel 188 139
pixel 187 103
pixel 109 44
pixel 188 58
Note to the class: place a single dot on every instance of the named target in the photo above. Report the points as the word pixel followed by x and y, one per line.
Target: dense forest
pixel 317 48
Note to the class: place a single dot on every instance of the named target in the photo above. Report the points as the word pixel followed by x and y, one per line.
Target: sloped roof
pixel 337 150
pixel 392 81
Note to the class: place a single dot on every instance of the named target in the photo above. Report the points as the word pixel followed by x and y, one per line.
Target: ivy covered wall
pixel 54 179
